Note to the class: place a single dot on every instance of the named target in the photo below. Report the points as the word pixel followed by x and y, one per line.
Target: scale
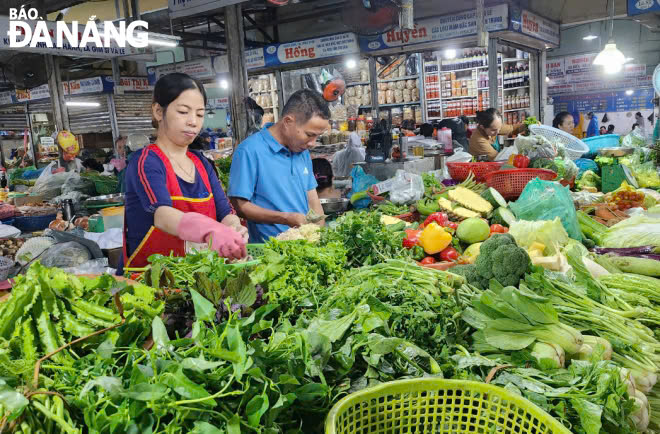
pixel 613 175
pixel 379 143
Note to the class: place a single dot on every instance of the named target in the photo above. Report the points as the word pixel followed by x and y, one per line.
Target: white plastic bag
pixel 506 153
pixel 407 188
pixel 46 173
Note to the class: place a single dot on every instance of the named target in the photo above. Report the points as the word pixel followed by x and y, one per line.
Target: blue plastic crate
pixel 598 142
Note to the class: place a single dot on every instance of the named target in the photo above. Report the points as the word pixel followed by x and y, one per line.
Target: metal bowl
pixel 615 152
pixel 334 206
pixel 105 200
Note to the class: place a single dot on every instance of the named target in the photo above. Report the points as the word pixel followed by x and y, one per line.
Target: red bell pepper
pixel 439 217
pixel 411 239
pixel 520 161
pixel 449 254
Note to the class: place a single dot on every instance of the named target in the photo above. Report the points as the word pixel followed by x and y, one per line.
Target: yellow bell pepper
pixel 434 239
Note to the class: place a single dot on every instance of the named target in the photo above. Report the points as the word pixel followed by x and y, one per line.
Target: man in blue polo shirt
pixel 271 182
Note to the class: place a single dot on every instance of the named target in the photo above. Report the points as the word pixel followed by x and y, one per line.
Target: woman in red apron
pixel 172 193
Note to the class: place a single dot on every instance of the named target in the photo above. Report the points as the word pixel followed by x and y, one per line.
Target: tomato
pixel 428 260
pixel 498 229
pixel 449 254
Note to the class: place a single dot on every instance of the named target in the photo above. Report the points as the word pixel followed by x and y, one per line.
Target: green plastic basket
pixel 433 405
pixel 255 250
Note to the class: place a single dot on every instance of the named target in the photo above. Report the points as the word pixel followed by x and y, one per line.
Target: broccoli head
pixel 470 273
pixel 500 258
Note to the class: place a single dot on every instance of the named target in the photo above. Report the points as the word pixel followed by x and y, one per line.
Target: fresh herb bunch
pixel 414 301
pixel 431 183
pixel 224 166
pixel 367 240
pixel 293 272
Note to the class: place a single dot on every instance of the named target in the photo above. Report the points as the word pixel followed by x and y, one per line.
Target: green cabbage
pixel 639 230
pixel 547 232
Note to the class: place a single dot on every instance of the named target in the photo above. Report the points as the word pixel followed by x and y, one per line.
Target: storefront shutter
pixel 12 118
pixel 133 114
pixel 83 120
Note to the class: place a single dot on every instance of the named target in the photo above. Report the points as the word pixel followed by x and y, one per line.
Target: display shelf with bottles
pixel 460 86
pixel 263 90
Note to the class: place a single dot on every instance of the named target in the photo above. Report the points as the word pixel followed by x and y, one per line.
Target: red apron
pixel 157 241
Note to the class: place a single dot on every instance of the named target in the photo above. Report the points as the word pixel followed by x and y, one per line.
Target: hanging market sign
pixel 638 7
pixel 86 85
pixel 439 28
pixel 184 8
pixel 62 48
pixel 133 84
pixel 309 49
pixel 201 69
pixel 554 67
pixel 255 58
pixel 218 103
pixel 538 27
pixel 7 98
pixel 39 92
pixel 641 99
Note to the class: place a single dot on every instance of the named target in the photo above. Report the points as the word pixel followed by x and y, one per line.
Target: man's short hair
pixel 305 104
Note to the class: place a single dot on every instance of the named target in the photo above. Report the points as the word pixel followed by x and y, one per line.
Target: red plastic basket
pixel 460 171
pixel 511 183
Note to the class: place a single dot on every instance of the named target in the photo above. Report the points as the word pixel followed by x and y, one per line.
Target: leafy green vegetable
pixel 367 240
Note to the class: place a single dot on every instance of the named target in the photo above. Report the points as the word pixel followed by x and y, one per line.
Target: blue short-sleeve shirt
pixel 270 176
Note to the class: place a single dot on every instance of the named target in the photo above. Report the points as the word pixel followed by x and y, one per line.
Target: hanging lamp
pixel 611 58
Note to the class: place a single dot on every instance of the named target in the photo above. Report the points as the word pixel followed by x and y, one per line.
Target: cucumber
pixel 494 197
pixel 503 216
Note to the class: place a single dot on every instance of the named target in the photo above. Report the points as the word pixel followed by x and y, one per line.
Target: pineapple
pixel 470 200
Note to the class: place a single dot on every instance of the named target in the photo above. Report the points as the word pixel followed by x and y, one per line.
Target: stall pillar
pixel 56 93
pixel 542 85
pixel 237 71
pixel 535 101
pixel 493 68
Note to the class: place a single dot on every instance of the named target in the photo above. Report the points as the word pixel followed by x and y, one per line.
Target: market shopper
pixel 271 182
pixel 172 195
pixel 564 122
pixel 592 129
pixel 324 176
pixel 343 161
pixel 484 140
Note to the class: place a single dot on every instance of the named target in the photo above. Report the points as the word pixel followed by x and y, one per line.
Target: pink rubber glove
pixel 199 228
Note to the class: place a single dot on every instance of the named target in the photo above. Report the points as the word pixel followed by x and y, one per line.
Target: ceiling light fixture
pixel 450 53
pixel 611 57
pixel 82 104
pixel 547 79
pixel 590 37
pixel 224 84
pixel 351 64
pixel 629 92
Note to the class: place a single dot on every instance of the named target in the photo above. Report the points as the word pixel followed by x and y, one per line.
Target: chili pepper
pixel 428 260
pixel 411 239
pixel 498 229
pixel 449 254
pixel 452 225
pixel 520 161
pixel 418 253
pixel 439 217
pixel 434 239
pixel 427 207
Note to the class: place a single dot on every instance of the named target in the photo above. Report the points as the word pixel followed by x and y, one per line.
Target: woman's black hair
pixel 170 86
pixel 559 119
pixel 92 164
pixel 426 130
pixel 610 128
pixel 322 172
pixel 486 117
pixel 408 124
